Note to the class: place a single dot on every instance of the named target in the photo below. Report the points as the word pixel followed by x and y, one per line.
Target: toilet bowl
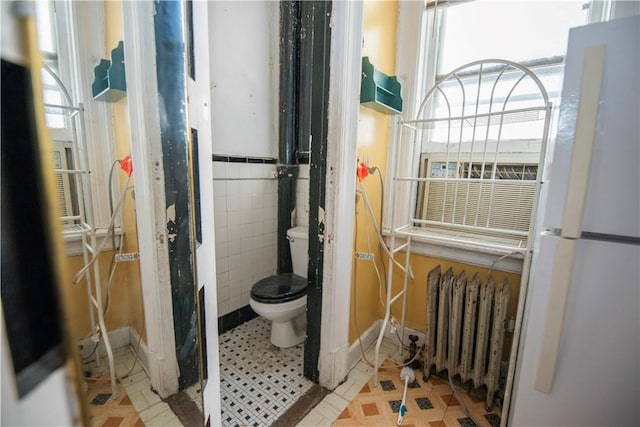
pixel 282 298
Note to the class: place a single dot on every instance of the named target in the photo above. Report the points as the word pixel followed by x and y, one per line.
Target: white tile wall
pixel 245 204
pixel 245 211
pixel 302 196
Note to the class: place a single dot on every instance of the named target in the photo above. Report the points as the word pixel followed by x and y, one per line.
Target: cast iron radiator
pixel 465 328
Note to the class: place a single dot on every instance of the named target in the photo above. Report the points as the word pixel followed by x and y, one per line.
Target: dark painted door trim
pixel 314 64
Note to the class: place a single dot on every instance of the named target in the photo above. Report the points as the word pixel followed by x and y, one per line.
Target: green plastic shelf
pixel 379 91
pixel 109 79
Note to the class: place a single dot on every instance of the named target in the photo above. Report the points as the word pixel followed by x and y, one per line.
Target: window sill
pixel 73 242
pixel 462 251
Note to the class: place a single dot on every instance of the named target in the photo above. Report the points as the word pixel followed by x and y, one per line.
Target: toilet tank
pixel 299 247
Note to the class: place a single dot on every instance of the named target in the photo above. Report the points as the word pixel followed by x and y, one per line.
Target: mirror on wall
pixel 99 215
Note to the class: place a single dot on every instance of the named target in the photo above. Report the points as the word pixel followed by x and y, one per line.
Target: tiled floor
pixel 428 404
pixel 195 393
pixel 105 411
pixel 258 381
pixel 432 404
pixel 327 411
pixel 148 405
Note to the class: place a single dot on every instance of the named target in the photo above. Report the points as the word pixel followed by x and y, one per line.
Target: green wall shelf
pixel 109 79
pixel 379 91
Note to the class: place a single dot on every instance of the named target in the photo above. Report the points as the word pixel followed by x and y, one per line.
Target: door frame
pixel 344 102
pixel 151 213
pixel 199 118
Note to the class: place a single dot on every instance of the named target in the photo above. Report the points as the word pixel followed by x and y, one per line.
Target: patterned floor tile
pixel 257 377
pixel 430 404
pixel 104 411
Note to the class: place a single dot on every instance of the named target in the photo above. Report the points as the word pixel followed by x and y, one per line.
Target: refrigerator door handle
pixel 584 140
pixel 556 308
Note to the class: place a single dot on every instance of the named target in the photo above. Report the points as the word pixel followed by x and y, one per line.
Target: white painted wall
pixel 244 77
pixel 244 67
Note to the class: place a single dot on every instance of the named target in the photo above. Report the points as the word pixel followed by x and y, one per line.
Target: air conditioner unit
pixel 62 160
pixel 476 194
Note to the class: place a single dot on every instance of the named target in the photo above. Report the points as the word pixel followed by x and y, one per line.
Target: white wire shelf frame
pixel 474 113
pixel 81 223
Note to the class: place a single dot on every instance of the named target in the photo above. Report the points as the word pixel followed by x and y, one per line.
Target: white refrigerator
pixel 579 356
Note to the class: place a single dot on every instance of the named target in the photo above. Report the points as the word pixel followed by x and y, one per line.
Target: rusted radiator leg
pixel 489 403
pixel 427 374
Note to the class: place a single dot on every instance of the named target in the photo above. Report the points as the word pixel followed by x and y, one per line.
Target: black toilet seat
pixel 279 288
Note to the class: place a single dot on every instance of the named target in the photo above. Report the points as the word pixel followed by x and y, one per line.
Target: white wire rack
pixel 81 223
pixel 475 197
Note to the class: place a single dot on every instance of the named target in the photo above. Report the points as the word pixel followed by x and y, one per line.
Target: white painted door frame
pixel 146 151
pixel 199 103
pixel 344 101
pixel 344 91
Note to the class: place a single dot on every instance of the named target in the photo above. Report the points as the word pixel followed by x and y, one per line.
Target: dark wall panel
pixel 170 56
pixel 29 295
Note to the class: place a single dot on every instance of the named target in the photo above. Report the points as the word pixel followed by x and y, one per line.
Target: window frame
pixel 80 31
pixel 415 57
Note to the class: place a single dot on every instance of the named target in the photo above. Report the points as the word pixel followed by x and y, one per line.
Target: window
pixel 71 36
pixel 56 118
pixel 478 176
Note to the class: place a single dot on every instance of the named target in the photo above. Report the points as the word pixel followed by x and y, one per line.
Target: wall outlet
pixel 364 255
pixel 127 257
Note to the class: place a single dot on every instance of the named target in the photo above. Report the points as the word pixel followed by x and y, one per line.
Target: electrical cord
pixel 500 259
pixel 383 249
pixel 380 283
pixel 413 359
pixel 372 171
pixel 95 347
pixel 384 268
pixel 135 360
pixel 113 235
pixel 112 265
pixel 375 226
pixel 353 292
pixel 102 245
pixel 375 264
pixel 120 249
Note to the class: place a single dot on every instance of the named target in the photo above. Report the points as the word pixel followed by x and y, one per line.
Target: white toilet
pixel 283 298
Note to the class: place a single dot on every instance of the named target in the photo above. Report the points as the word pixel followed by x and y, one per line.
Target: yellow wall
pixel 416 314
pixel 380 23
pixel 126 293
pixel 379 44
pixel 130 294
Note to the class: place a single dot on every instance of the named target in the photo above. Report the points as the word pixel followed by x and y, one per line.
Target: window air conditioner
pixel 472 196
pixel 63 181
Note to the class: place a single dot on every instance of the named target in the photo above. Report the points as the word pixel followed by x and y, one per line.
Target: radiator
pixel 465 328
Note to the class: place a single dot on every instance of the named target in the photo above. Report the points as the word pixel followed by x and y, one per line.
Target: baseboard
pixel 140 348
pixel 119 339
pixel 407 331
pixel 368 338
pixel 228 321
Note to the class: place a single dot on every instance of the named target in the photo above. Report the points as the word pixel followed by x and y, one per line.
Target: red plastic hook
pixel 362 171
pixel 127 165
